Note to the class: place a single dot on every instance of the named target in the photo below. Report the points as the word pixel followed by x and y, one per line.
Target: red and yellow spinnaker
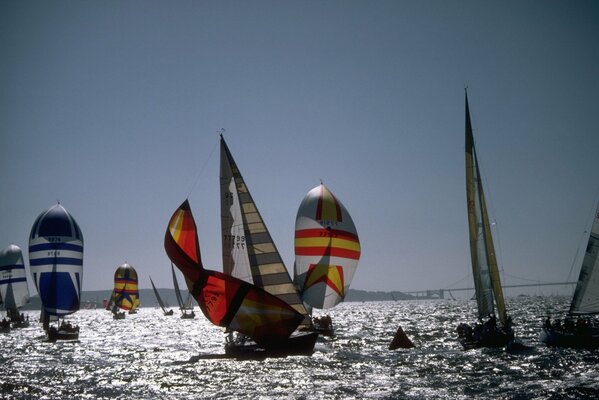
pixel 126 292
pixel 327 249
pixel 227 301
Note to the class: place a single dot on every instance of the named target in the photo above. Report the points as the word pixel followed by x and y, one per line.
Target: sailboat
pixel 487 283
pixel 227 301
pixel 578 331
pixel 13 284
pixel 327 250
pixel 125 295
pixel 249 253
pixel 185 306
pixel 56 263
pixel 166 311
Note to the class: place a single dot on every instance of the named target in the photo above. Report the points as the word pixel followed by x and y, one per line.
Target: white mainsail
pixel 586 295
pixel 248 250
pixel 13 281
pixel 327 249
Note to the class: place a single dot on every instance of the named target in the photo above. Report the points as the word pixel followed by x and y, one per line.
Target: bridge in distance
pixel 440 293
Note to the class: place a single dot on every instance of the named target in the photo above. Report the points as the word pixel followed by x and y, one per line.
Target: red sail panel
pixel 181 242
pixel 227 301
pixel 235 304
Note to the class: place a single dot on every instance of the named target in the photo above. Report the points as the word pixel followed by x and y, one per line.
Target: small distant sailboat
pixel 578 330
pixel 166 311
pixel 487 283
pixel 327 250
pixel 56 261
pixel 13 285
pixel 186 306
pixel 125 295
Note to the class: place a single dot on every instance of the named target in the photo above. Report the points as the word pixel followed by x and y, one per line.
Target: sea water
pixel 152 356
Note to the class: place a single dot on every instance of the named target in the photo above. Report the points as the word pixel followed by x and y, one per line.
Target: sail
pixel 158 298
pixel 13 282
pixel 586 295
pixel 177 290
pixel 485 271
pixel 249 252
pixel 126 292
pixel 225 300
pixel 327 249
pixel 56 260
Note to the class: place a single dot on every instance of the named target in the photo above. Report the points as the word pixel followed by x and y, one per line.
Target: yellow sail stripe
pixel 327 242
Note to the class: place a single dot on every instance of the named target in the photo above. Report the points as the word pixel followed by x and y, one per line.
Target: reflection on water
pixel 148 355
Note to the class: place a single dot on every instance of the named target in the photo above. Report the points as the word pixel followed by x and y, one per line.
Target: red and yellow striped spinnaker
pixel 327 249
pixel 126 291
pixel 227 301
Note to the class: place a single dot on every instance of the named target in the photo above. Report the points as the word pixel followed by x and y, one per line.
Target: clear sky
pixel 113 108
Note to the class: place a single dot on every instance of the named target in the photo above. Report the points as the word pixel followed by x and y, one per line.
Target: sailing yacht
pixel 578 329
pixel 327 250
pixel 185 306
pixel 249 253
pixel 125 295
pixel 13 285
pixel 487 283
pixel 161 303
pixel 56 263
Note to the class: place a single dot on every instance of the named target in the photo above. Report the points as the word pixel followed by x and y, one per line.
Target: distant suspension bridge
pixel 440 293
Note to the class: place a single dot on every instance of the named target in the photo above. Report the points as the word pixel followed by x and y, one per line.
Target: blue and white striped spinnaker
pixel 13 280
pixel 56 260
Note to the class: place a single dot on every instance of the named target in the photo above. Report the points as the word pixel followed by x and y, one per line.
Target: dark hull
pixel 55 334
pixel 118 315
pixel 484 338
pixel 576 340
pixel 188 316
pixel 169 312
pixel 301 344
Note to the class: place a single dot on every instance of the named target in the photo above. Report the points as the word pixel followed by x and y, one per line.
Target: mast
pixel 487 282
pixel 586 295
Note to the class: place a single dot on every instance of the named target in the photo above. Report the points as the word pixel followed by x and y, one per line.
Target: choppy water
pixel 149 355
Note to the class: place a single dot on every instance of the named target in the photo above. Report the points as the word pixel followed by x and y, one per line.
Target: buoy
pixel 401 340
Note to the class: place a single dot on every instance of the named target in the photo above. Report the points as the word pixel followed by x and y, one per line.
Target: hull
pixel 472 338
pixel 576 340
pixel 169 312
pixel 297 345
pixel 190 315
pixel 55 334
pixel 118 315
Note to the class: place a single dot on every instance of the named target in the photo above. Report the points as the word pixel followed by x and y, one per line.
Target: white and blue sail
pixel 13 279
pixel 56 260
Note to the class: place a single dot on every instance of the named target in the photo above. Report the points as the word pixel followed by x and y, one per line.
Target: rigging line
pixel 459 280
pixel 201 171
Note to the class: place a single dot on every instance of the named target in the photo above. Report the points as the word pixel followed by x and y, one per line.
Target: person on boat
pixel 491 324
pixel 557 325
pixel 548 323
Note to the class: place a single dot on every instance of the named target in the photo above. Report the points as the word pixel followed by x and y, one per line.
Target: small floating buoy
pixel 400 340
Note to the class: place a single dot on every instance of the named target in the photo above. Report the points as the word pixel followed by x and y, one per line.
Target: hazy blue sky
pixel 113 108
